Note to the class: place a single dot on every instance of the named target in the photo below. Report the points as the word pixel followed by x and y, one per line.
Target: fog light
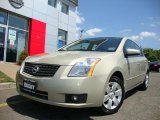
pixel 74 98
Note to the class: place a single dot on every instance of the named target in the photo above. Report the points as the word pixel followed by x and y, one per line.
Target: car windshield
pixel 94 44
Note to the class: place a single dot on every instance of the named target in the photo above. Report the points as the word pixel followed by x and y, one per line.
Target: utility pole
pixel 81 34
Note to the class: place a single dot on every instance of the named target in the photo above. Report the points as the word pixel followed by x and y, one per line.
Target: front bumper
pixel 54 90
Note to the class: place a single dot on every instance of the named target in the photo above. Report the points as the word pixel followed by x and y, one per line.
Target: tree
pixel 151 54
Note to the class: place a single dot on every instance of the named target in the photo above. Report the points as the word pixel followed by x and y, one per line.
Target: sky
pixel 137 19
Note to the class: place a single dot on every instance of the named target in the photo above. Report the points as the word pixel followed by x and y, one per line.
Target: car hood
pixel 65 57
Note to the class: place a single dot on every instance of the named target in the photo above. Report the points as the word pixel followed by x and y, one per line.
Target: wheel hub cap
pixel 113 95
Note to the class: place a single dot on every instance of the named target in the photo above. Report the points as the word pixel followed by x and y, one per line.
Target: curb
pixel 9 85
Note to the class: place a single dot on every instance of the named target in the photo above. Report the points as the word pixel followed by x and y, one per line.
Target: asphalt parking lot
pixel 138 105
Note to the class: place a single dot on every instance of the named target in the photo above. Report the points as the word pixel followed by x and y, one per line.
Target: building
pixel 38 26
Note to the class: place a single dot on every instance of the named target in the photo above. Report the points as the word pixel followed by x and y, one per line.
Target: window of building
pixel 16 37
pixel 53 3
pixel 16 43
pixel 65 8
pixel 3 17
pixel 62 38
pixel 2 42
pixel 22 22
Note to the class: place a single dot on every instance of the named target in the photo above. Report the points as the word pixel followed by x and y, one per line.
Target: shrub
pixel 22 56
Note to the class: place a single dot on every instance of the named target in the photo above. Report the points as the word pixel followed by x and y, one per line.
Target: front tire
pixel 114 96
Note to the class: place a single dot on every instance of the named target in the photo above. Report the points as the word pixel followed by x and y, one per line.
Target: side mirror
pixel 130 52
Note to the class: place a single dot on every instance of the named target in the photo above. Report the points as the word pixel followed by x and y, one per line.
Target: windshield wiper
pixel 62 50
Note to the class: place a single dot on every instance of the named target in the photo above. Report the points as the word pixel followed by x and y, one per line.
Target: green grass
pixel 4 78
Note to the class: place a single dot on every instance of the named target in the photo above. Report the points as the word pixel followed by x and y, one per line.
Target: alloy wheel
pixel 113 95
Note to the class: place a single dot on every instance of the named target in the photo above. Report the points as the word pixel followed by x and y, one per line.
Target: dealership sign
pixel 16 3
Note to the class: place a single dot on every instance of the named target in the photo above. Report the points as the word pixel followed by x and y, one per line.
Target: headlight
pixel 22 66
pixel 84 68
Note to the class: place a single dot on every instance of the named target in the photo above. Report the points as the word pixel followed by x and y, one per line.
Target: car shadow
pixel 42 111
pixel 131 92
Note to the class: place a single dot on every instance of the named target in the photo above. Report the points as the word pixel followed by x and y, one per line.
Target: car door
pixel 133 66
pixel 142 64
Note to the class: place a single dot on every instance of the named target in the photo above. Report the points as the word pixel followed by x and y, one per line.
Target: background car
pixel 154 66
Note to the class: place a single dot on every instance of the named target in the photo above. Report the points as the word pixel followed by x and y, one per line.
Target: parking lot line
pixel 12 103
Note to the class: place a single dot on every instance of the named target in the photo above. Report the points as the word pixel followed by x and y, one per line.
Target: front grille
pixel 37 93
pixel 40 70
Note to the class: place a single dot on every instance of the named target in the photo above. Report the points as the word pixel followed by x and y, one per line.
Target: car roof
pixel 103 38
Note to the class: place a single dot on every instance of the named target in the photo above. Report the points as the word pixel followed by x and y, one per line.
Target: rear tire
pixel 114 96
pixel 145 84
